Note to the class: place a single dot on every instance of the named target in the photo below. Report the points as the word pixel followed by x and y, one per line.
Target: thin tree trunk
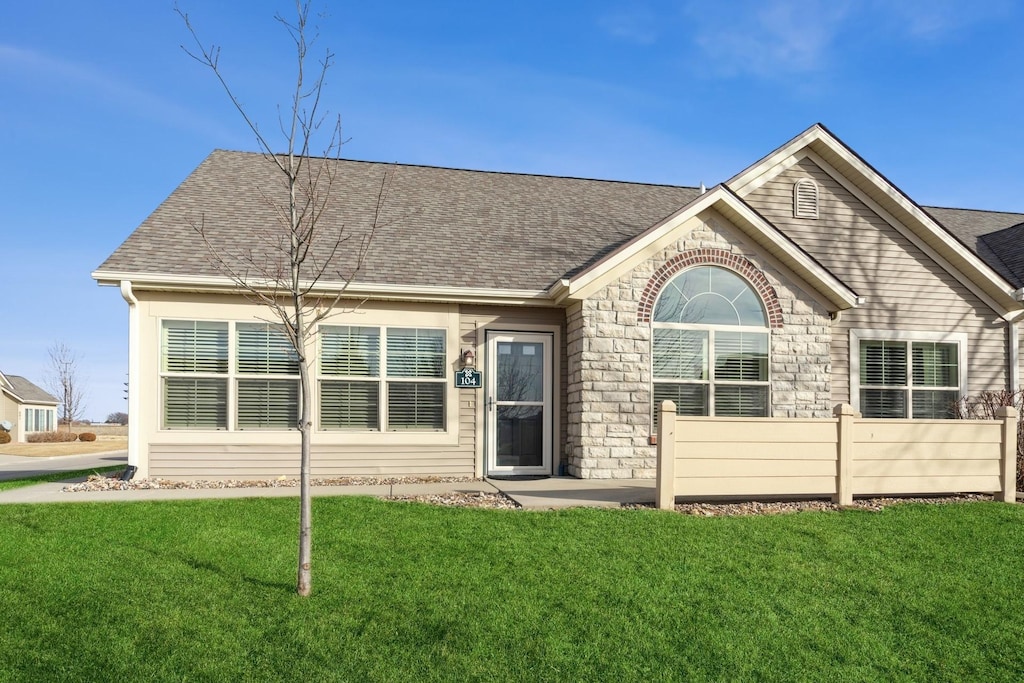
pixel 304 585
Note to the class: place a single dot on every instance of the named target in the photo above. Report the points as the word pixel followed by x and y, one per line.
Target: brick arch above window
pixel 711 257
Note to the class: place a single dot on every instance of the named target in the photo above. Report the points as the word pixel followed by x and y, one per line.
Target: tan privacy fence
pixel 841 457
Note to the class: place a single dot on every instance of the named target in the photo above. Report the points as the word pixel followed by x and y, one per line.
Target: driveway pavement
pixel 18 466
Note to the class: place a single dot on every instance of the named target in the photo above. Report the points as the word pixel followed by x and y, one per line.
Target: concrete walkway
pixel 541 494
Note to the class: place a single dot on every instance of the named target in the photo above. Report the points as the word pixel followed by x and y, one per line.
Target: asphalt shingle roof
pixel 439 226
pixel 28 391
pixel 996 236
pixel 448 227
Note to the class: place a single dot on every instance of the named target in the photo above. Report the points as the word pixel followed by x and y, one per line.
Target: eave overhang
pixel 207 284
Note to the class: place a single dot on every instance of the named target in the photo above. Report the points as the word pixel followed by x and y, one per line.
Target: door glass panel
pixel 520 436
pixel 520 371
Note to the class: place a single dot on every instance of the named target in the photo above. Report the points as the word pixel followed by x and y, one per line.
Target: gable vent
pixel 805 198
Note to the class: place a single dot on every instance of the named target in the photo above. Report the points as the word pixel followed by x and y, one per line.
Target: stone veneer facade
pixel 609 354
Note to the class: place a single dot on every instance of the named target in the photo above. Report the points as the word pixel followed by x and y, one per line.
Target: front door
pixel 518 403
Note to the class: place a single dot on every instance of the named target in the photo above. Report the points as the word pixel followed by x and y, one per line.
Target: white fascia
pixel 222 284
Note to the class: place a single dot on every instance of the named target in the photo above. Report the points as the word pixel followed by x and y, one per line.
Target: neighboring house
pixel 805 281
pixel 27 407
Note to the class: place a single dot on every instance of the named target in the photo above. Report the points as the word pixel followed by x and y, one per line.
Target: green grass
pixel 55 476
pixel 204 590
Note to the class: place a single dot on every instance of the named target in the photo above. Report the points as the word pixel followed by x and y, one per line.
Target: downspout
pixel 134 380
pixel 1013 346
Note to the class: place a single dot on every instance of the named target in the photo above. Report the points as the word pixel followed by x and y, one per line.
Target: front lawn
pixel 204 590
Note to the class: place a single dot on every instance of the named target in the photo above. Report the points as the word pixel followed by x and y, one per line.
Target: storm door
pixel 518 403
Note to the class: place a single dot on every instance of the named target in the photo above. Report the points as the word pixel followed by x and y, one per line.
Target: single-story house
pixel 26 407
pixel 805 281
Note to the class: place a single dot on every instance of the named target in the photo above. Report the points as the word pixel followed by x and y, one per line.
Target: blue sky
pixel 102 115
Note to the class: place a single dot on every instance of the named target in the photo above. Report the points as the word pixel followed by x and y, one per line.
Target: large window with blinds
pixel 382 378
pixel 194 374
pixel 710 345
pixel 268 378
pixel 907 375
pixel 244 376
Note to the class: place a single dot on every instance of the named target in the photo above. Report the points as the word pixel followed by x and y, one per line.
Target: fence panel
pixel 840 457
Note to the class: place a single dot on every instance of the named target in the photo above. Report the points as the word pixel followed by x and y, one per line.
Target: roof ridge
pixel 957 208
pixel 476 170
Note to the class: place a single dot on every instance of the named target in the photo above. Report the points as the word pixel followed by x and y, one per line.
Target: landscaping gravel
pixel 790 506
pixel 499 500
pixel 493 501
pixel 97 482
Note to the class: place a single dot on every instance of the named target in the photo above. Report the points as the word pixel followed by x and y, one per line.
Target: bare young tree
pixel 64 382
pixel 288 273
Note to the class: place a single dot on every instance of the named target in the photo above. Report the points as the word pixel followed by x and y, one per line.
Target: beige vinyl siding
pixel 195 454
pixel 1020 357
pixel 474 318
pixel 905 288
pixel 224 454
pixel 261 461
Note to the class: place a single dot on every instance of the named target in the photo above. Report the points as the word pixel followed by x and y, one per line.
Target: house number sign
pixel 468 378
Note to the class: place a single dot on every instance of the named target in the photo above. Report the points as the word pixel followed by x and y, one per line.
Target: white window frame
pixel 376 314
pixel 908 337
pixel 710 382
pixel 227 376
pixel 35 416
pixel 382 379
pixel 237 377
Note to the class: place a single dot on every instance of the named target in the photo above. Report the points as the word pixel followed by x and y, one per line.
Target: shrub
pixel 86 436
pixel 984 406
pixel 5 437
pixel 51 437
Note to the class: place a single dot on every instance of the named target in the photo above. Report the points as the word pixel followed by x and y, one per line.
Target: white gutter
pixel 134 381
pixel 218 284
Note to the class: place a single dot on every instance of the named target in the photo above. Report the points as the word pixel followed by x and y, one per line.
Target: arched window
pixel 710 345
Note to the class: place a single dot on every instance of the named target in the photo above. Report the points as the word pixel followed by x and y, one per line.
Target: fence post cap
pixel 844 409
pixel 1006 411
pixel 668 405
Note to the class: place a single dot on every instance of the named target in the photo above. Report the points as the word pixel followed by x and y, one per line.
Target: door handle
pixel 490 403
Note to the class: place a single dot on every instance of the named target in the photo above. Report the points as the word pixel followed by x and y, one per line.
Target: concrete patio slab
pixel 440 489
pixel 564 492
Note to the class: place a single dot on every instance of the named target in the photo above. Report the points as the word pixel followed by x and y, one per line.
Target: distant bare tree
pixel 117 419
pixel 286 275
pixel 63 381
